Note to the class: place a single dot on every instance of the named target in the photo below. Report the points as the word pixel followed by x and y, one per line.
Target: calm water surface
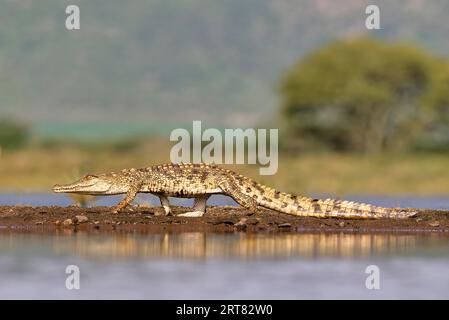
pixel 223 266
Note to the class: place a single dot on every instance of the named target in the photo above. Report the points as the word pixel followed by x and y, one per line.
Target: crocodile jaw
pixel 84 186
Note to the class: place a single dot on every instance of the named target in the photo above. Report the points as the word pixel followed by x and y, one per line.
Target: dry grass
pixel 37 169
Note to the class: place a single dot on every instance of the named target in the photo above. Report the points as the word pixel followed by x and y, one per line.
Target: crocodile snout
pixel 61 188
pixel 56 188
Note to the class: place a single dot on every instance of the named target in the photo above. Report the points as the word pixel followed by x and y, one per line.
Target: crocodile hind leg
pixel 230 189
pixel 199 207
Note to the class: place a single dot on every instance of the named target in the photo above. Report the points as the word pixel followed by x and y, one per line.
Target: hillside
pixel 172 61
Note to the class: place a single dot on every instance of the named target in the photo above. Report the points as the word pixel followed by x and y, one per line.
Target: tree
pixel 363 95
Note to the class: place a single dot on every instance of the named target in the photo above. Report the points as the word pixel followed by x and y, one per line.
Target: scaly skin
pixel 199 181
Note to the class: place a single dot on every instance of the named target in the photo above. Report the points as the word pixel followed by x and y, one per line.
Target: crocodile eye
pixel 91 176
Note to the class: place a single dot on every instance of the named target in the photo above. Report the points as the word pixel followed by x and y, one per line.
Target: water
pixel 43 199
pixel 223 266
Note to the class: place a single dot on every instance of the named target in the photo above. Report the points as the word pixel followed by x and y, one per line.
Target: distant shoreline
pixel 38 168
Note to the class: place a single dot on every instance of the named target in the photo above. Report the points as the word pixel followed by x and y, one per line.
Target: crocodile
pixel 200 181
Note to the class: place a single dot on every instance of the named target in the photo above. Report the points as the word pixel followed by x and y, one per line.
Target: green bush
pixel 364 95
pixel 13 134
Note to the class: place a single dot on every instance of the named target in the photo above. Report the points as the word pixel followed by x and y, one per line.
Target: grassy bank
pixel 38 167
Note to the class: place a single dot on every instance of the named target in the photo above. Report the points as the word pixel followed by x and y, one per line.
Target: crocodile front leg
pixel 130 196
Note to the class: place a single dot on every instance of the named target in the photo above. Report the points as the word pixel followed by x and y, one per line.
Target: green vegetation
pixel 365 95
pixel 13 134
pixel 37 169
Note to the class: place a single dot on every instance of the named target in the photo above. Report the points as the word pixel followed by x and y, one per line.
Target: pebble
pixel 225 221
pixel 253 221
pixel 284 225
pixel 68 222
pixel 57 222
pixel 434 224
pixel 81 219
pixel 342 224
pixel 241 223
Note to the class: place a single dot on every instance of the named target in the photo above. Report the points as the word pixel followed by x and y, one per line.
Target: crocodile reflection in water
pixel 202 245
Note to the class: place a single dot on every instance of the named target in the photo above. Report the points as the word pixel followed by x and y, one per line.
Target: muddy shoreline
pixel 217 219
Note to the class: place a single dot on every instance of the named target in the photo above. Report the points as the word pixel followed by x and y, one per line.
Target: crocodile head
pixel 95 185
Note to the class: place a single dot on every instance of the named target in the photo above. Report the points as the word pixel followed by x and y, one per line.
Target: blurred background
pixel 359 111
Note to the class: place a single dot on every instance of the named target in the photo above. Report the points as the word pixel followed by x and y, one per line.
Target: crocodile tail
pixel 249 194
pixel 308 207
pixel 349 209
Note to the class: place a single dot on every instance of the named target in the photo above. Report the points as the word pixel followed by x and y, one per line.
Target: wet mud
pixel 217 219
